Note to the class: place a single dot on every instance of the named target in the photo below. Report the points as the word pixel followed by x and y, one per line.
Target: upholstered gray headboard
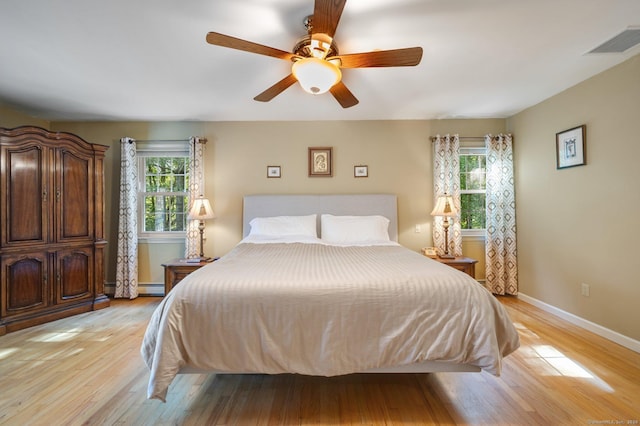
pixel 296 205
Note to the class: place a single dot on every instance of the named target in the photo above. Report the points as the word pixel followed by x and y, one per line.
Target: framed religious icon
pixel 320 161
pixel 570 147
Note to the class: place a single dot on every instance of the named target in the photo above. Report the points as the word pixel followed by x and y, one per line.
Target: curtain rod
pixel 202 140
pixel 468 138
pixel 462 138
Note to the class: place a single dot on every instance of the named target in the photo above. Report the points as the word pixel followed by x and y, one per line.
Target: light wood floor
pixel 87 370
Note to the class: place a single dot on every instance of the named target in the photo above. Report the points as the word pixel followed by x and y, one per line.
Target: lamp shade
pixel 201 210
pixel 444 206
pixel 316 75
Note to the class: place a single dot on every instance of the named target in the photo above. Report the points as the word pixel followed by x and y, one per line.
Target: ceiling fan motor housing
pixel 315 47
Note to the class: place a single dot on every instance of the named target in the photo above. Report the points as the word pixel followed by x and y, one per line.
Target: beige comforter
pixel 324 310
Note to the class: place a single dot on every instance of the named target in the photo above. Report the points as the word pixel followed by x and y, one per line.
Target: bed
pixel 319 286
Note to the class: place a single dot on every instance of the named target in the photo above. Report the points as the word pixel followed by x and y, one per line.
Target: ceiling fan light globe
pixel 316 76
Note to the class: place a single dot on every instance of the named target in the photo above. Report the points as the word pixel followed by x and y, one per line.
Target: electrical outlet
pixel 584 289
pixel 418 229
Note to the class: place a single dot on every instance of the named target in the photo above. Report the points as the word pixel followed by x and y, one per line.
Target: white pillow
pixel 354 229
pixel 278 226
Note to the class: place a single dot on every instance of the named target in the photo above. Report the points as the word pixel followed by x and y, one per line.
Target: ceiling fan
pixel 315 57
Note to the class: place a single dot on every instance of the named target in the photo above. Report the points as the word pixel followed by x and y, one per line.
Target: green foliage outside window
pixel 166 200
pixel 472 191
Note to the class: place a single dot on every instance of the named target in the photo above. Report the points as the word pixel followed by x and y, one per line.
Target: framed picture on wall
pixel 320 161
pixel 571 147
pixel 360 171
pixel 273 171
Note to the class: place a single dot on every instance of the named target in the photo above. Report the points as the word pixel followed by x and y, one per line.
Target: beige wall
pixel 398 154
pixel 580 225
pixel 10 118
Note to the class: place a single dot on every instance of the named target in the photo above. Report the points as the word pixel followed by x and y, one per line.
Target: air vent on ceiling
pixel 623 41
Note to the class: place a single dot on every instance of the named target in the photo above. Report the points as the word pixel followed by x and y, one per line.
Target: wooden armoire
pixel 51 227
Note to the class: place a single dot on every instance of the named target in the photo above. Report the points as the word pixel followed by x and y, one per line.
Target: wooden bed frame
pixel 356 205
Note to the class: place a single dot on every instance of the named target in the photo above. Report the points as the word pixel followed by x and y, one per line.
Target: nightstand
pixel 176 269
pixel 464 264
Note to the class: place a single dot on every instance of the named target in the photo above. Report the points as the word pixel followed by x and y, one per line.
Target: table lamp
pixel 201 210
pixel 445 208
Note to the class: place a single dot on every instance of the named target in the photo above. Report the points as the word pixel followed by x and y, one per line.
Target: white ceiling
pixel 148 59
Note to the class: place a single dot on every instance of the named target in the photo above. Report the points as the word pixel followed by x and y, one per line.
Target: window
pixel 163 193
pixel 472 190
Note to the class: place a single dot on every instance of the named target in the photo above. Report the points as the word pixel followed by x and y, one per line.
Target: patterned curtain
pixel 196 189
pixel 501 264
pixel 446 179
pixel 127 259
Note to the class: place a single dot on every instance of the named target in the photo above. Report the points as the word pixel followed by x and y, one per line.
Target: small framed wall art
pixel 320 161
pixel 273 171
pixel 571 147
pixel 360 171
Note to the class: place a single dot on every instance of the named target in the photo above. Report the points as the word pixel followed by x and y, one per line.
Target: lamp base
pixel 199 259
pixel 446 256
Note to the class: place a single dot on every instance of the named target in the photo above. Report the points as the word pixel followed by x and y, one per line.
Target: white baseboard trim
pixel 601 331
pixel 144 289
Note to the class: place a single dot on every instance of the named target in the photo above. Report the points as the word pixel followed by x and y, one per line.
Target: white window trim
pixel 474 234
pixel 156 149
pixel 473 148
pixel 175 238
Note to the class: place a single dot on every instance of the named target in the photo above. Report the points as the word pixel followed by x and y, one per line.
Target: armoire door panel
pixel 75 274
pixel 24 284
pixel 74 196
pixel 25 195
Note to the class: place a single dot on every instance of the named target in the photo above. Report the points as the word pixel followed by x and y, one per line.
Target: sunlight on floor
pixel 524 330
pixel 55 337
pixel 560 362
pixel 549 361
pixel 65 353
pixel 5 353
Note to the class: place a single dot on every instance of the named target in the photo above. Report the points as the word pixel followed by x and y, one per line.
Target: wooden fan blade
pixel 247 46
pixel 343 95
pixel 407 57
pixel 326 15
pixel 276 89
